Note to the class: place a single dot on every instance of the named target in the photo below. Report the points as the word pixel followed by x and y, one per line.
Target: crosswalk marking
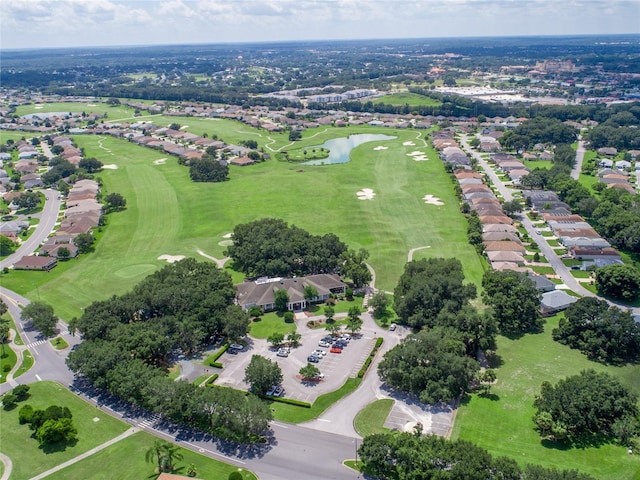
pixel 35 344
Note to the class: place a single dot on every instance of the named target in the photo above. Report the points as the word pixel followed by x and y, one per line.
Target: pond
pixel 340 148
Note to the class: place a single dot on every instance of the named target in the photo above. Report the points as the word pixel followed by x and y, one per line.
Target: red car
pixel 335 350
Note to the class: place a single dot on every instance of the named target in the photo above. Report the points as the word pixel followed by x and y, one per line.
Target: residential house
pixel 35 262
pixel 555 301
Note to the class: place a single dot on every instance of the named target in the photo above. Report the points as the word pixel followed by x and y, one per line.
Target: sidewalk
pixel 57 468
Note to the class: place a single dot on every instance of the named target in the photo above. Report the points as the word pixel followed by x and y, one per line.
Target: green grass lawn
pixel 59 343
pixel 27 363
pixel 113 111
pixel 195 216
pixel 270 323
pixel 543 270
pixel 532 164
pixel 407 98
pixel 28 459
pixel 8 359
pixel 502 423
pixel 290 413
pixel 371 418
pixel 128 456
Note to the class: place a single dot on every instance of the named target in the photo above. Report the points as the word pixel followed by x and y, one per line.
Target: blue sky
pixel 68 23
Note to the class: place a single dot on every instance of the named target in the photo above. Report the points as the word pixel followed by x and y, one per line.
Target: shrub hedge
pixel 367 362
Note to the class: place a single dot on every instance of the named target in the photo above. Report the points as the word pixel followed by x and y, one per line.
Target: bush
pixel 215 364
pixel 21 392
pixel 235 476
pixel 25 414
pixel 211 379
pixel 211 361
pixel 9 401
pixel 379 341
pixel 288 401
pixel 367 362
pixel 288 317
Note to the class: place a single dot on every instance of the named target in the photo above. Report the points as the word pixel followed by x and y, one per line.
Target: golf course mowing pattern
pixel 129 457
pixel 502 422
pixel 167 213
pixel 407 98
pixel 28 459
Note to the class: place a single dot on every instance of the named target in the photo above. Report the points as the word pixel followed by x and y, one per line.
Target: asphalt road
pixel 44 228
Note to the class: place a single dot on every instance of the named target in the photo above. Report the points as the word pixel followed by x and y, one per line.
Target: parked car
pixel 313 359
pixel 319 353
pixel 392 327
pixel 336 350
pixel 282 353
pixel 236 346
pixel 278 392
pixel 324 344
pixel 319 376
pixel 340 343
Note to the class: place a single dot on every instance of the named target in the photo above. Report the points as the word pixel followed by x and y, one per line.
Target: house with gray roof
pixel 555 301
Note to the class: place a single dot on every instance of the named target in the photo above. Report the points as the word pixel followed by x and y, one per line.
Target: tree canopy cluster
pixel 543 130
pixel 604 333
pixel 270 247
pixel 514 301
pixel 437 363
pixel 127 341
pixel 208 169
pixel 618 281
pixel 586 406
pixel 41 316
pixel 52 425
pixel 394 456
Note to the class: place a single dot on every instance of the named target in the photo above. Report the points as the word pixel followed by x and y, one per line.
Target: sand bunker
pixel 160 161
pixel 227 235
pixel 381 147
pixel 110 166
pixel 431 200
pixel 184 128
pixel 365 194
pixel 225 243
pixel 408 144
pixel 38 107
pixel 418 156
pixel 91 105
pixel 171 258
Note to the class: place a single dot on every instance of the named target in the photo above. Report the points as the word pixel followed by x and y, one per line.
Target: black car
pixel 313 359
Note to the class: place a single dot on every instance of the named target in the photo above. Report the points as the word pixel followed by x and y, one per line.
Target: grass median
pixel 371 418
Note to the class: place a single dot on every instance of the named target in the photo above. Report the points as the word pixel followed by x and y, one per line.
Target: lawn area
pixel 27 363
pixel 283 412
pixel 113 111
pixel 532 164
pixel 371 418
pixel 8 359
pixel 407 98
pixel 270 323
pixel 129 457
pixel 543 270
pixel 196 215
pixel 502 422
pixel 28 459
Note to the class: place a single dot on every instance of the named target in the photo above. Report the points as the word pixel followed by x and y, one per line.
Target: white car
pixel 319 353
pixel 392 327
pixel 282 353
pixel 319 376
pixel 324 344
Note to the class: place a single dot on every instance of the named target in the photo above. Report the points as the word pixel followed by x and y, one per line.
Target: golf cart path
pixel 8 466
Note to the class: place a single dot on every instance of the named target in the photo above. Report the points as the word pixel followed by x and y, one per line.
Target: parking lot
pixel 336 367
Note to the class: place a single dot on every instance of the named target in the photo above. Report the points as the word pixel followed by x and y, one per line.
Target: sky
pixel 75 23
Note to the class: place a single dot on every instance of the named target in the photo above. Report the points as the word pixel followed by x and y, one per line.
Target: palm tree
pixel 171 453
pixel 155 453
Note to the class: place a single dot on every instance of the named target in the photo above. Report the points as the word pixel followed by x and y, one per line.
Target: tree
pixel 431 364
pixel 261 374
pixel 515 301
pixel 236 323
pixel 163 453
pixel 64 253
pixel 329 312
pixel 379 302
pixel 512 207
pixel 486 379
pixel 175 126
pixel 289 316
pixel 332 328
pixel 584 406
pixel 4 337
pixel 115 202
pixel 208 169
pixel 281 300
pixel 294 338
pixel 603 333
pixel 355 268
pixel 28 200
pixel 309 292
pixel 618 281
pixel 90 165
pixel 7 246
pixel 84 242
pixel 275 339
pixel 428 286
pixel 56 431
pixel 309 371
pixel 354 325
pixel 41 315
